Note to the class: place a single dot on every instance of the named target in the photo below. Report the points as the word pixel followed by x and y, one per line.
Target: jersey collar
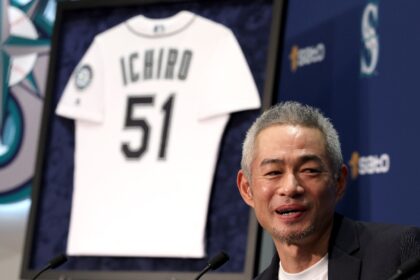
pixel 163 27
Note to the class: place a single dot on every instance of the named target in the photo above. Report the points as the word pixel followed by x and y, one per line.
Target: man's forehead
pixel 307 142
pixel 313 133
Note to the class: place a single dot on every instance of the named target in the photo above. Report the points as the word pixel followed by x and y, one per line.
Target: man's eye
pixel 311 171
pixel 272 173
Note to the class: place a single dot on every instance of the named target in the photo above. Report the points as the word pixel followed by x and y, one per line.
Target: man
pixel 292 175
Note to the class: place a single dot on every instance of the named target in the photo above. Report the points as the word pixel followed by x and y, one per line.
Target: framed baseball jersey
pixel 151 99
pixel 146 109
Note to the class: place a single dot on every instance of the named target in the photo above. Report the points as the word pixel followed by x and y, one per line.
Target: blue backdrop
pixel 357 61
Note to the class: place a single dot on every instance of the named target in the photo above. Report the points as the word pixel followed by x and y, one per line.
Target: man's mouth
pixel 290 210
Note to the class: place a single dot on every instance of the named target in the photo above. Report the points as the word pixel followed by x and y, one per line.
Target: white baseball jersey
pixel 151 99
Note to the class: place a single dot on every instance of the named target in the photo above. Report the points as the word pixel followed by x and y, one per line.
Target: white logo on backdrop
pixel 370 51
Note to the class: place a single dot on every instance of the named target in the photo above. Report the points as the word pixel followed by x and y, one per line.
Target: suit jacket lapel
pixel 273 269
pixel 343 243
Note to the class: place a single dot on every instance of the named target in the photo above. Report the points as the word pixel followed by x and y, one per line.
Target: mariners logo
pixel 83 77
pixel 370 49
pixel 25 30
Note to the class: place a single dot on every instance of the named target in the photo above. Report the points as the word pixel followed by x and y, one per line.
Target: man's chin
pixel 293 237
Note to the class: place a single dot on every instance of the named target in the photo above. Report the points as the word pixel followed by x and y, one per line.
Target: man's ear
pixel 244 188
pixel 341 182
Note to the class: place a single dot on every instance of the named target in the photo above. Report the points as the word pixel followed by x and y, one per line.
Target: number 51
pixel 144 127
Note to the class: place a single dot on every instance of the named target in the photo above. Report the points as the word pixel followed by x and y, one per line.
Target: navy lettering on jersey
pixel 148 65
pixel 185 65
pixel 173 54
pixel 123 72
pixel 159 63
pixel 155 64
pixel 134 75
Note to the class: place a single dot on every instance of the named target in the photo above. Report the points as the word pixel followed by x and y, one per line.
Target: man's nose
pixel 289 185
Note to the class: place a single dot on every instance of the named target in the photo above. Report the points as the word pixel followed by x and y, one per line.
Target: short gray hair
pixel 293 113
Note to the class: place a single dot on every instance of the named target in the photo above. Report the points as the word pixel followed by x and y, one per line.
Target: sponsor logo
pixel 24 47
pixel 369 165
pixel 370 41
pixel 300 57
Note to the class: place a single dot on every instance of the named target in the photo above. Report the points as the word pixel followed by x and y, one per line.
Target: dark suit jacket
pixel 365 251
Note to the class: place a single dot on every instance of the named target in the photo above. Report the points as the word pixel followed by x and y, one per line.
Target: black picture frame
pixel 49 213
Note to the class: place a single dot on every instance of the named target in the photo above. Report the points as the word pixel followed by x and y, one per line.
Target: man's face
pixel 292 187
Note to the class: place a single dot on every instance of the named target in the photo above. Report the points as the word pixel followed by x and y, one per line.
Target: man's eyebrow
pixel 307 158
pixel 303 159
pixel 271 161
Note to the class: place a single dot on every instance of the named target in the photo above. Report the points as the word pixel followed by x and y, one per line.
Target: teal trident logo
pixel 24 52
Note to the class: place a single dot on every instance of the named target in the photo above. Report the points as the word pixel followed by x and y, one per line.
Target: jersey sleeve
pixel 83 96
pixel 229 85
